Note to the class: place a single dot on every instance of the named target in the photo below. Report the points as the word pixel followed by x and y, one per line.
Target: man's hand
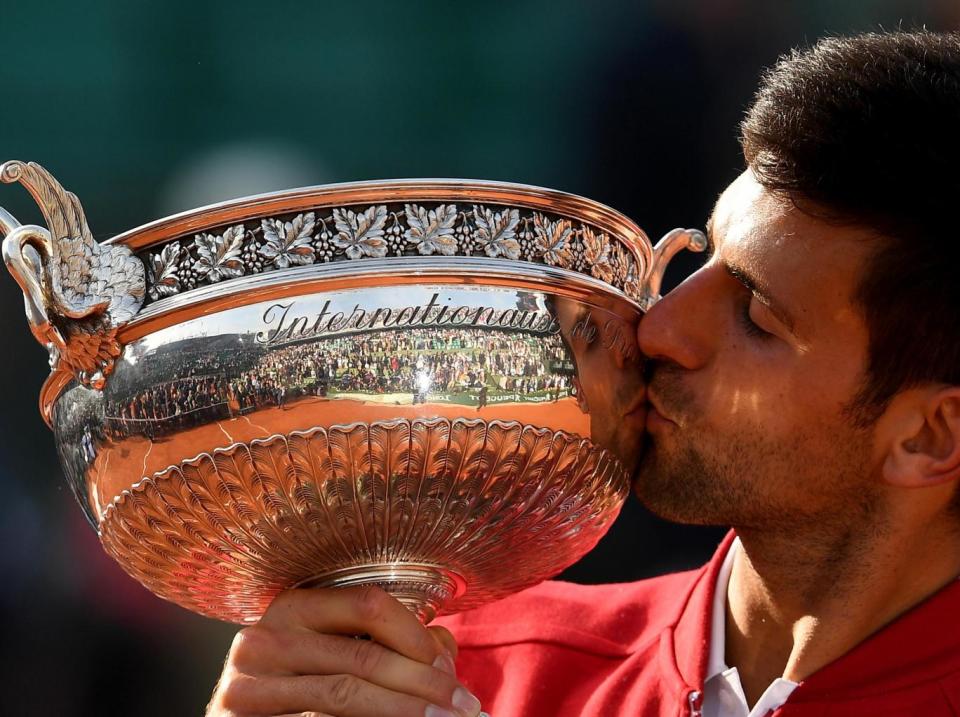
pixel 301 659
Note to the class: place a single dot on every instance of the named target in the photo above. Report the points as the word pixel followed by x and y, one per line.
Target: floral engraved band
pixel 378 231
pixel 429 385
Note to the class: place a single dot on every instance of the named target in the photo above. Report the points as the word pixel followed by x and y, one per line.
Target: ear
pixel 580 396
pixel 925 446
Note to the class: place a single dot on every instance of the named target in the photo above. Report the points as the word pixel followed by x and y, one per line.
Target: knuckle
pixel 236 693
pixel 285 600
pixel 367 657
pixel 281 600
pixel 249 644
pixel 342 692
pixel 301 607
pixel 371 603
pixel 294 602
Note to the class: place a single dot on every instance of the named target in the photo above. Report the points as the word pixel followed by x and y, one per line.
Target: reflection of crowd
pixel 422 361
pixel 176 404
pixel 417 362
pixel 179 363
pixel 199 393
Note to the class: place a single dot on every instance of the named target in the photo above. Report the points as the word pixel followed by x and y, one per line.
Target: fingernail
pixel 446 664
pixel 465 702
pixel 434 711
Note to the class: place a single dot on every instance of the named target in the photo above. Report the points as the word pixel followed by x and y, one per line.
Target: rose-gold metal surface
pixel 445 514
pixel 432 385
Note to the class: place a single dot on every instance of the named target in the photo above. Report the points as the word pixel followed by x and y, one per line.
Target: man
pixel 804 388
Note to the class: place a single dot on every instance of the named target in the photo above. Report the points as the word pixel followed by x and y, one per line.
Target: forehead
pixel 811 266
pixel 755 226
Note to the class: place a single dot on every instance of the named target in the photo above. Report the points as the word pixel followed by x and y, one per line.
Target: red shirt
pixel 566 650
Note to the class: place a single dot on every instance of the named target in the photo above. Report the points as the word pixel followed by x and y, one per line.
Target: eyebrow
pixel 753 285
pixel 762 294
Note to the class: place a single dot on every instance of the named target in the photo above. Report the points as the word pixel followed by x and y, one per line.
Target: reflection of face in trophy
pixel 608 382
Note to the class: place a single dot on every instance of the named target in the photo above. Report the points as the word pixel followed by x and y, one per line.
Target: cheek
pixel 733 388
pixel 780 401
pixel 761 394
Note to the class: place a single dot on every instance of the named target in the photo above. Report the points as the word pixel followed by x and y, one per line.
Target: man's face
pixel 755 358
pixel 608 383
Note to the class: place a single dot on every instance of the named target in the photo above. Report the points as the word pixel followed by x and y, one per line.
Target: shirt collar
pixel 716 662
pixel 906 652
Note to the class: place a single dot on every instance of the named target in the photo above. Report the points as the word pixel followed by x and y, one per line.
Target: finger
pixel 365 610
pixel 445 639
pixel 301 652
pixel 340 695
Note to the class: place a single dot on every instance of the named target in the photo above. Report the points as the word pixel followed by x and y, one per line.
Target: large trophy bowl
pixel 430 385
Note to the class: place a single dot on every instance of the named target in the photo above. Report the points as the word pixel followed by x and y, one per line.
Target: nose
pixel 678 327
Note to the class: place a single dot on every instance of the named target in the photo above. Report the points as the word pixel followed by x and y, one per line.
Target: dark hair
pixel 865 131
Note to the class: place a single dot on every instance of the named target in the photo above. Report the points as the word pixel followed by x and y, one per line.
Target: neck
pixel 797 602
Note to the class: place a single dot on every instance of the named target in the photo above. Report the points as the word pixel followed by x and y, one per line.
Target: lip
pixel 656 420
pixel 655 416
pixel 638 408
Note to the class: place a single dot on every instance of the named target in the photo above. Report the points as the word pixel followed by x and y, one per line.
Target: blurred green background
pixel 147 109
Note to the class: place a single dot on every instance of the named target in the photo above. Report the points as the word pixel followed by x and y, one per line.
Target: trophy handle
pixel 77 293
pixel 672 242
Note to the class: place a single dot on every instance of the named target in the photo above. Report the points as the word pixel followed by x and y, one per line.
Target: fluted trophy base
pixel 443 514
pixel 424 589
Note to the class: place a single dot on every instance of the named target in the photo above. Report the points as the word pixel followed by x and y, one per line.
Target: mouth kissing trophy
pixel 430 385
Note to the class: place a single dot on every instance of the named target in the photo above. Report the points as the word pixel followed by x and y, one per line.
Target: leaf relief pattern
pixel 497 231
pixel 619 260
pixel 288 243
pixel 596 252
pixel 219 257
pixel 162 271
pixel 361 233
pixel 632 284
pixel 553 240
pixel 431 230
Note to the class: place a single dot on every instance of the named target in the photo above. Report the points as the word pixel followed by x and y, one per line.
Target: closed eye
pixel 750 327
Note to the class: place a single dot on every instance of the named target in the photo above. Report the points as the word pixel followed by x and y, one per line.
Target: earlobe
pixel 579 395
pixel 925 450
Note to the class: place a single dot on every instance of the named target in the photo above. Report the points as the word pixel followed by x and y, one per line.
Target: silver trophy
pixel 430 385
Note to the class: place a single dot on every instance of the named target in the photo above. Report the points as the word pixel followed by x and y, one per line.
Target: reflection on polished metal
pixel 412 505
pixel 429 385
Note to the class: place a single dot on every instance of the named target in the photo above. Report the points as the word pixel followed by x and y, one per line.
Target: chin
pixel 630 452
pixel 674 511
pixel 680 494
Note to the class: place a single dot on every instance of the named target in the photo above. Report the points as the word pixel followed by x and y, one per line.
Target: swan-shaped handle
pixel 77 293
